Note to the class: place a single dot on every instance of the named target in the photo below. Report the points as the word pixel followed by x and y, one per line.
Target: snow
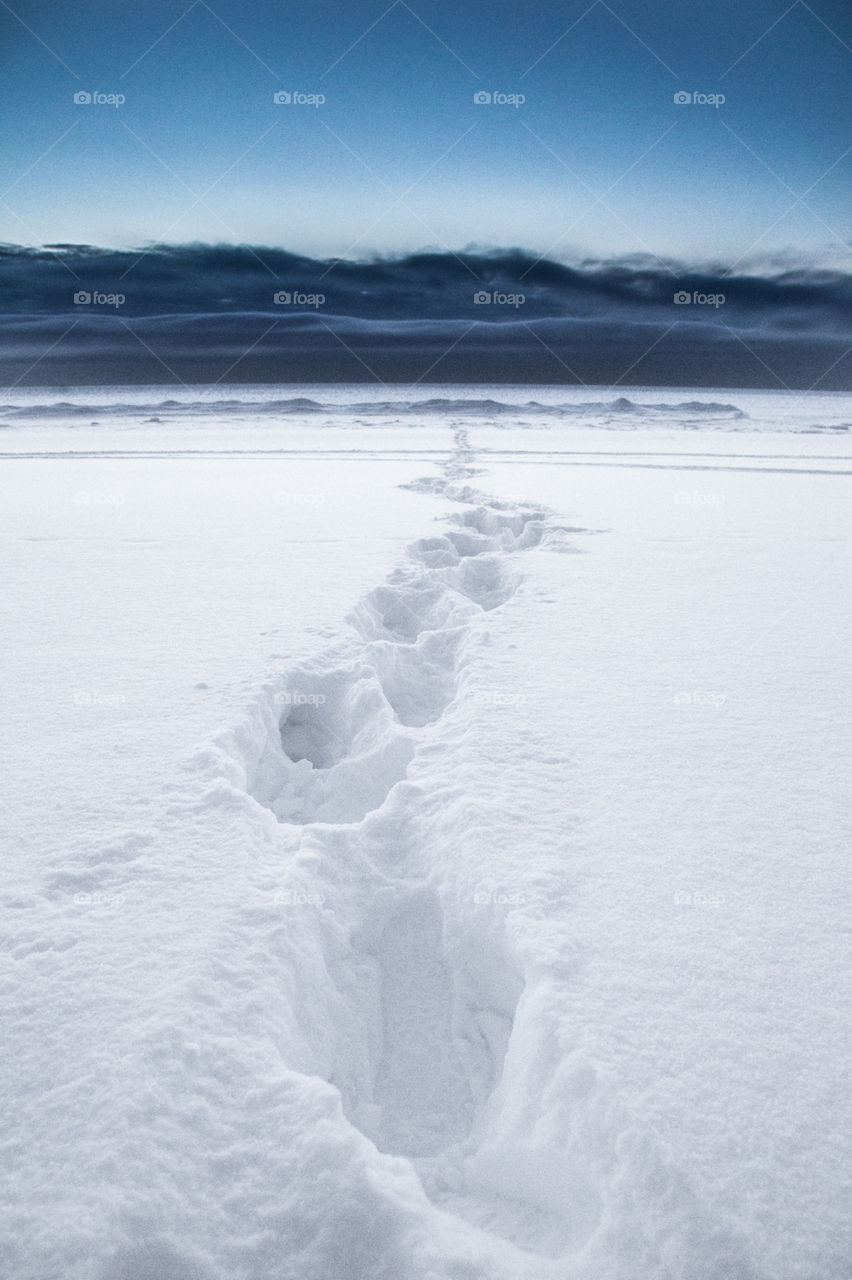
pixel 426 862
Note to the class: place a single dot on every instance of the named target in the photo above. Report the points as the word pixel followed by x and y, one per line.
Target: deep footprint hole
pixel 306 734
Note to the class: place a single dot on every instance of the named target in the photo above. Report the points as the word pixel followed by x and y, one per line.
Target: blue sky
pixel 599 161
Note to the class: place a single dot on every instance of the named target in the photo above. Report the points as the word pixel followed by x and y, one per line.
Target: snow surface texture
pixel 471 951
pixel 431 998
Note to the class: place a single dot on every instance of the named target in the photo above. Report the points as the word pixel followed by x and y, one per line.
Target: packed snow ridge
pixel 275 407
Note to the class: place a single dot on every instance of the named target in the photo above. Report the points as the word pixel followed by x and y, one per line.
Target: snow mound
pixel 435 407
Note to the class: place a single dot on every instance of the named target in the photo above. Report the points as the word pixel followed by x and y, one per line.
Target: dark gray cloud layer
pixel 202 313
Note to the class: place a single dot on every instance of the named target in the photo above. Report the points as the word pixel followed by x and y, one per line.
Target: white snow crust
pixel 427 861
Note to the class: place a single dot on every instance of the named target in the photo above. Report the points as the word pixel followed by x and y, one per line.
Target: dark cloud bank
pixel 206 314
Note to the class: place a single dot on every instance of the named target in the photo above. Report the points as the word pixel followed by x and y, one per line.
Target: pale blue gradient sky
pixel 599 160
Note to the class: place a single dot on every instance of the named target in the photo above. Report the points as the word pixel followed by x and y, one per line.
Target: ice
pixel 388 896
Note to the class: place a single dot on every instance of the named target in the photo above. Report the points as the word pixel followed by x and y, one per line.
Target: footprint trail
pixel 340 736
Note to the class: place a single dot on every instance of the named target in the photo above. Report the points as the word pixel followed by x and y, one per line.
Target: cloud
pixel 241 313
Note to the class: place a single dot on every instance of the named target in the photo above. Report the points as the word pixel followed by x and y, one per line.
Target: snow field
pixel 473 949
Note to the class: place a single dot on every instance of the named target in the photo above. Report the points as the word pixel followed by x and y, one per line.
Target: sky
pixel 599 159
pixel 686 138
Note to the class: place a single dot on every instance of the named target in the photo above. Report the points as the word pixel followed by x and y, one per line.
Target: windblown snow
pixel 425 845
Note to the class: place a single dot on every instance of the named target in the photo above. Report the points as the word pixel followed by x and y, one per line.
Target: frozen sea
pixel 426 828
